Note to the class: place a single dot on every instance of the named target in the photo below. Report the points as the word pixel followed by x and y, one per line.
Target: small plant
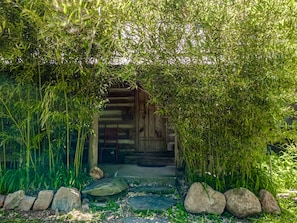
pixel 177 213
pixel 112 206
pixel 283 168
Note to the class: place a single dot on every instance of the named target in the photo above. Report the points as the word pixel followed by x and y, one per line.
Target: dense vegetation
pixel 225 77
pixel 223 72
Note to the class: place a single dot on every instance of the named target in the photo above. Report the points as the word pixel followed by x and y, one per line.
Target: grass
pixel 15 179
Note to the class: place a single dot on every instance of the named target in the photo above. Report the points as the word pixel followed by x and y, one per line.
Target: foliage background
pixel 225 75
pixel 223 72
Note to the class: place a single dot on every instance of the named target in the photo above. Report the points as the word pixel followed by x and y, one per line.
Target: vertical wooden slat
pixel 151 121
pixel 141 115
pixel 146 119
pixel 160 126
pixel 137 124
pixel 151 127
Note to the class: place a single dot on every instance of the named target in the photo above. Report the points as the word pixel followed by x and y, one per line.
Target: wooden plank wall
pixel 140 128
pixel 120 112
pixel 151 127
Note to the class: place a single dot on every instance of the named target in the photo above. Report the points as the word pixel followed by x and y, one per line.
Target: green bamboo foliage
pixel 224 74
pixel 62 52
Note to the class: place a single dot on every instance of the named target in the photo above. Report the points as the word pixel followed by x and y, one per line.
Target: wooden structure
pixel 141 131
pixel 111 142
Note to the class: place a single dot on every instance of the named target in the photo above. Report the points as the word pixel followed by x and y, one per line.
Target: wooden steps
pixel 150 158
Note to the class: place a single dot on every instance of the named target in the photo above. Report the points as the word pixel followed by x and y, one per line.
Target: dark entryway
pixel 141 133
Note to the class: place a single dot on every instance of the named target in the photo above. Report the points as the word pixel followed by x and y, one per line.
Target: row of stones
pixel 65 199
pixel 241 202
pixel 200 198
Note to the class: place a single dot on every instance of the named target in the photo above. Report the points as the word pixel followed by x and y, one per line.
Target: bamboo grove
pixel 223 72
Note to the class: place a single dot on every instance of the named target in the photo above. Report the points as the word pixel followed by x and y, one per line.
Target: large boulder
pixel 66 199
pixel 268 202
pixel 242 203
pixel 96 173
pixel 13 200
pixel 26 203
pixel 106 187
pixel 43 200
pixel 201 198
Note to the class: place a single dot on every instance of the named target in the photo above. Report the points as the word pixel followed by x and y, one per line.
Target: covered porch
pixel 165 175
pixel 130 131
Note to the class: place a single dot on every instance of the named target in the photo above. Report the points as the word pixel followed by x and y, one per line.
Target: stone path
pixel 153 189
pixel 144 198
pixel 150 189
pixel 153 203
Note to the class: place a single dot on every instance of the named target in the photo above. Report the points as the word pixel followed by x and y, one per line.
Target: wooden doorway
pixel 150 127
pixel 141 131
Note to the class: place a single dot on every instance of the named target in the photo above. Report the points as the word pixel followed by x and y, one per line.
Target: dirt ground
pixel 51 216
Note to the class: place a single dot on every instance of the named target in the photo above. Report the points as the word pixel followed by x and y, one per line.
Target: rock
pixel 96 173
pixel 203 199
pixel 66 199
pixel 155 189
pixel 26 203
pixel 155 203
pixel 18 201
pixel 268 202
pixel 85 201
pixel 242 202
pixel 13 200
pixel 85 208
pixel 44 200
pixel 106 187
pixel 2 199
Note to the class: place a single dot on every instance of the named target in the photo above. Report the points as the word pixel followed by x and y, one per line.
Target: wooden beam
pixel 93 147
pixel 126 98
pixel 119 90
pixel 120 104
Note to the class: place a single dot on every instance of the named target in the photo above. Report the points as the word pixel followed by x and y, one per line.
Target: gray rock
pixel 26 203
pixel 152 189
pixel 268 202
pixel 155 203
pixel 13 200
pixel 85 208
pixel 2 199
pixel 85 201
pixel 242 203
pixel 201 198
pixel 43 200
pixel 106 187
pixel 66 199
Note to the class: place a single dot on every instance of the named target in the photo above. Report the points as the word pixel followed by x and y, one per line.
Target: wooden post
pixel 93 147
